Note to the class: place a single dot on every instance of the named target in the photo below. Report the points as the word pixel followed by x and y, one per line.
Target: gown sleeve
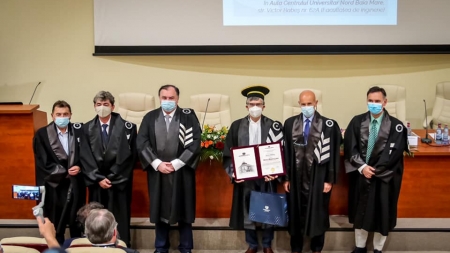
pixel 144 148
pixel 353 160
pixel 90 168
pixel 47 170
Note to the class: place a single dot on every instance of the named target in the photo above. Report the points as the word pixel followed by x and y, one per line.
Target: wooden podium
pixel 18 123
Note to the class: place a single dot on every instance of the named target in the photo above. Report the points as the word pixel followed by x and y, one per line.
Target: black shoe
pixel 359 250
pixel 377 251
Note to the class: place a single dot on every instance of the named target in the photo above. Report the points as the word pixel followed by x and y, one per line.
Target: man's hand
pixel 327 187
pixel 270 178
pixel 237 181
pixel 105 183
pixel 74 170
pixel 165 168
pixel 47 230
pixel 368 171
pixel 287 186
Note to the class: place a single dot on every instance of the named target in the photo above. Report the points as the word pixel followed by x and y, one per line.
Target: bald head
pixel 307 98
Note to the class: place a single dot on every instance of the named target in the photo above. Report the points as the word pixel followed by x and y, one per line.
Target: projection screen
pixel 271 27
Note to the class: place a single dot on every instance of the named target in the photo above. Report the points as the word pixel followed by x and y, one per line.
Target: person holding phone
pixel 56 153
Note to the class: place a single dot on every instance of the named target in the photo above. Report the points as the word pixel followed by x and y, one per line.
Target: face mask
pixel 308 111
pixel 255 111
pixel 374 108
pixel 62 122
pixel 103 111
pixel 168 105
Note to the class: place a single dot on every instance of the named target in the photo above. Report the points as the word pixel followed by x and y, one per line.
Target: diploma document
pixel 257 161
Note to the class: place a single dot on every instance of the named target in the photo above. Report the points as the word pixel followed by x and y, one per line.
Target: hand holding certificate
pixel 257 161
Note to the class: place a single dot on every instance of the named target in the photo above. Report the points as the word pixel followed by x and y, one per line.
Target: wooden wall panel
pixel 17 128
pixel 339 194
pixel 424 191
pixel 140 202
pixel 425 188
pixel 214 191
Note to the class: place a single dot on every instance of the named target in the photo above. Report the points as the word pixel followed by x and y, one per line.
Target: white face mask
pixel 103 111
pixel 255 111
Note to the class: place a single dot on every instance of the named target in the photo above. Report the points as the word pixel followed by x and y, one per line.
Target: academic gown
pixel 52 164
pixel 308 168
pixel 372 202
pixel 238 135
pixel 172 196
pixel 114 161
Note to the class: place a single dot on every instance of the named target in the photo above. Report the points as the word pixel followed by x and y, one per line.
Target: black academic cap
pixel 255 91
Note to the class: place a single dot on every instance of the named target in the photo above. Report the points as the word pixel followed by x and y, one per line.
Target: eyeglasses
pixel 255 104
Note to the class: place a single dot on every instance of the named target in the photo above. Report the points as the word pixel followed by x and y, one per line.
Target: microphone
pixel 426 139
pixel 204 117
pixel 34 92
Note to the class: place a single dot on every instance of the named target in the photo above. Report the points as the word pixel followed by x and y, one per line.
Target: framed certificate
pixel 271 159
pixel 257 161
pixel 245 163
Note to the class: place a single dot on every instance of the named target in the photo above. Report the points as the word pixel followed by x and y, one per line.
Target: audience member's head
pixel 101 227
pixel 84 211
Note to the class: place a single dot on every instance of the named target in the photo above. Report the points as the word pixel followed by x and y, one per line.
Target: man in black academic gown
pixel 312 146
pixel 56 154
pixel 169 145
pixel 373 147
pixel 108 156
pixel 253 129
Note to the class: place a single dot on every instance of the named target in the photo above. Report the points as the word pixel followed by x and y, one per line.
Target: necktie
pixel 167 121
pixel 372 139
pixel 104 134
pixel 306 131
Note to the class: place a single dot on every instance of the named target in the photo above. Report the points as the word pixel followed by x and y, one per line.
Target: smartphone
pixel 26 192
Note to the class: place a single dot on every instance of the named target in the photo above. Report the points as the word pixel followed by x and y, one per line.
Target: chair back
pixel 218 113
pixel 396 101
pixel 94 250
pixel 84 242
pixel 18 249
pixel 441 108
pixel 36 243
pixel 132 107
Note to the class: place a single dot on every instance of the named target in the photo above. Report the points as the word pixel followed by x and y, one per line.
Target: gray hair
pixel 249 99
pixel 99 226
pixel 84 211
pixel 104 96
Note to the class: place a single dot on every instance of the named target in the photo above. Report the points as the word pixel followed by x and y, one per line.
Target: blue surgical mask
pixel 168 105
pixel 375 108
pixel 62 122
pixel 308 111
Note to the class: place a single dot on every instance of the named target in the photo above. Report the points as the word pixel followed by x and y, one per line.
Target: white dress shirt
pixel 108 123
pixel 254 132
pixel 64 139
